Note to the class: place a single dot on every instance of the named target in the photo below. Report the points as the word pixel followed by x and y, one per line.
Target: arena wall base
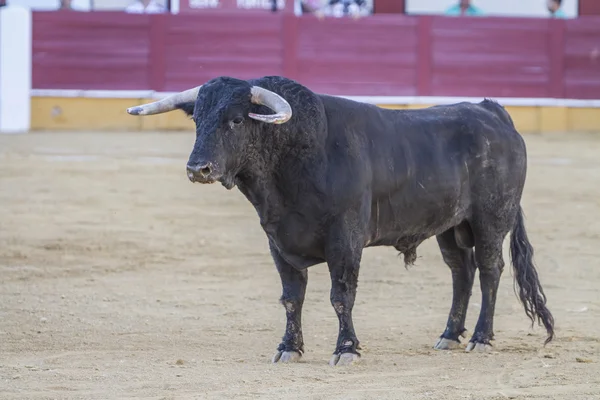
pixel 106 111
pixel 73 113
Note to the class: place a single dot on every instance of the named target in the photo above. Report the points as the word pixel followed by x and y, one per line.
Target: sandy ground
pixel 121 279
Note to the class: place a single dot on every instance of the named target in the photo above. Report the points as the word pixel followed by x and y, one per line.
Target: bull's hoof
pixel 446 344
pixel 286 357
pixel 340 360
pixel 478 347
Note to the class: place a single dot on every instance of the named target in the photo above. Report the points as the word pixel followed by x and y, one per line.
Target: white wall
pixel 80 5
pixel 48 4
pixel 521 8
pixel 118 4
pixel 15 69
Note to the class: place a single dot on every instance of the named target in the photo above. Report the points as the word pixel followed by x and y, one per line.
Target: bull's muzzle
pixel 201 172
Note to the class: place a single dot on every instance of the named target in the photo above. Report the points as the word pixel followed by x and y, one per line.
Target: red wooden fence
pixel 380 55
pixel 589 7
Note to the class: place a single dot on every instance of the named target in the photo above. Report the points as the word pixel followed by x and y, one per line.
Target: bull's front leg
pixel 293 282
pixel 344 264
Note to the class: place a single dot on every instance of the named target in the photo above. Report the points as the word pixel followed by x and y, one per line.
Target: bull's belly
pixel 405 226
pixel 401 221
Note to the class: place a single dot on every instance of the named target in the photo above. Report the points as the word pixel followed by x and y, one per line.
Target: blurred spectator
pixel 464 7
pixel 309 7
pixel 354 8
pixel 554 8
pixel 145 7
pixel 66 5
pixel 2 3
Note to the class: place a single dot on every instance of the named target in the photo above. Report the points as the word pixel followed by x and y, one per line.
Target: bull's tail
pixel 530 290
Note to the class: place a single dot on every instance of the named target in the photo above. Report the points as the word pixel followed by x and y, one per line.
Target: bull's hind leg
pixel 488 255
pixel 293 283
pixel 462 265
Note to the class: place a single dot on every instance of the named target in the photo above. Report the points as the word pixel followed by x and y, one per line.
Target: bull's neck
pixel 279 168
pixel 281 151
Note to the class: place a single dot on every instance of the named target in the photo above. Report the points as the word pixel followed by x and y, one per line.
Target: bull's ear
pixel 187 108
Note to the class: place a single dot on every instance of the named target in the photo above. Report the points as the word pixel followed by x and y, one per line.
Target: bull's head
pixel 221 109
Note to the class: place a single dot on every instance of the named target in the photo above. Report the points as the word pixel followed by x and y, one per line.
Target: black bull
pixel 329 177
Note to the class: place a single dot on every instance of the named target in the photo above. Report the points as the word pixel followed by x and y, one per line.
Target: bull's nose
pixel 200 170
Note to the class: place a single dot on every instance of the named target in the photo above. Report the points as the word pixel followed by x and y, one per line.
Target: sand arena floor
pixel 120 279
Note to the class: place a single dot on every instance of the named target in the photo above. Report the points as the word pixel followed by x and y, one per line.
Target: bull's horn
pixel 167 104
pixel 275 102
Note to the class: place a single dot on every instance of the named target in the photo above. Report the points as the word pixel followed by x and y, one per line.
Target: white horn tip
pixel 271 118
pixel 135 110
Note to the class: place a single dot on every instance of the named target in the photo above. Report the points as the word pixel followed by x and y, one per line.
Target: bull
pixel 329 176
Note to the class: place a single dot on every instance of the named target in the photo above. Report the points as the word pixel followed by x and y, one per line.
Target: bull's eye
pixel 238 120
